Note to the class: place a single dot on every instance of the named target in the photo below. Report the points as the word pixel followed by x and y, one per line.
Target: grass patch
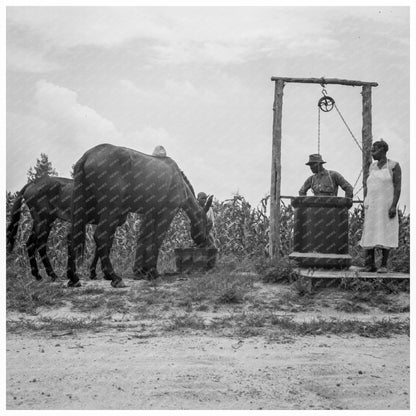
pixel 91 290
pixel 350 307
pixel 115 303
pixel 376 329
pixel 87 304
pixel 154 295
pixel 257 320
pixel 362 285
pixel 218 287
pixel 231 295
pixel 27 295
pixel 186 321
pixel 285 328
pixel 238 302
pixel 284 271
pixel 52 324
pixel 393 308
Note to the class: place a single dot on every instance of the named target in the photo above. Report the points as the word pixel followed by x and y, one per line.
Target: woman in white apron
pixel 381 195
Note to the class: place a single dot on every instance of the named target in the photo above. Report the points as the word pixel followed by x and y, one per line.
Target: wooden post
pixel 367 135
pixel 274 234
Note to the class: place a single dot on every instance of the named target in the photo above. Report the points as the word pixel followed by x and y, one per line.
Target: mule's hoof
pixel 118 284
pixel 93 276
pixel 107 277
pixel 70 283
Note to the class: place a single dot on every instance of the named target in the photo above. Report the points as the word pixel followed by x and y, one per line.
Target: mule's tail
pixel 78 210
pixel 14 220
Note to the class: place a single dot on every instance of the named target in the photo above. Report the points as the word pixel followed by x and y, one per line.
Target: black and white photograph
pixel 207 207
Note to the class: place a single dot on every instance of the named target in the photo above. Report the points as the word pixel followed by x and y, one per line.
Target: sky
pixel 197 80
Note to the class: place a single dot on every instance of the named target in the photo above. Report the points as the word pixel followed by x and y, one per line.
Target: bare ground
pixel 169 355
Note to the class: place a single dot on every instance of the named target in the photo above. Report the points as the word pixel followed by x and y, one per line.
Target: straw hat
pixel 315 158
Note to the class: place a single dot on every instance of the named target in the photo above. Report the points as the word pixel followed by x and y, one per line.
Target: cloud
pixel 223 36
pixel 130 86
pixel 186 90
pixel 26 140
pixel 58 125
pixel 178 91
pixel 25 60
pixel 60 108
pixel 68 27
pixel 146 139
pixel 202 52
pixel 184 35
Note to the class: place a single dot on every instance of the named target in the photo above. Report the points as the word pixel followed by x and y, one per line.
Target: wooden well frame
pixel 366 134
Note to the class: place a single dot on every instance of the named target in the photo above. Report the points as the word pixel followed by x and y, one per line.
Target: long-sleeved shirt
pixel 326 182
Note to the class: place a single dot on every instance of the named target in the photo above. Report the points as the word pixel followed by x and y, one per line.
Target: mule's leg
pixel 93 273
pixel 73 279
pixel 31 246
pixel 103 236
pixel 144 247
pixel 150 240
pixel 42 242
pixel 162 224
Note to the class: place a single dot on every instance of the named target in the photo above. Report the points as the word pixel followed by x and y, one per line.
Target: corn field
pixel 241 231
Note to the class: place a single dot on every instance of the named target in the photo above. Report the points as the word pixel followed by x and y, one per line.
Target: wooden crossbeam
pixel 326 81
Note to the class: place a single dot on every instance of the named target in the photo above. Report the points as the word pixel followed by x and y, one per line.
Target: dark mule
pixel 110 182
pixel 47 198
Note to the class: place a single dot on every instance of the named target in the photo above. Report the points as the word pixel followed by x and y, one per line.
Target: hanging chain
pixel 319 131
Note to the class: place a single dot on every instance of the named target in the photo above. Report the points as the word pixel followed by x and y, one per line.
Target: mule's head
pixel 201 225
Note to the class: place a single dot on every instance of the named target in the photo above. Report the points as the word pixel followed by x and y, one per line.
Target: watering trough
pixel 195 259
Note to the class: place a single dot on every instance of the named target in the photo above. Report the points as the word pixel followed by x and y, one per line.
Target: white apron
pixel 379 230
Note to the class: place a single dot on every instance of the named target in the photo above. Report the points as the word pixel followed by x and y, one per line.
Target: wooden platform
pixel 352 272
pixel 312 275
pixel 317 260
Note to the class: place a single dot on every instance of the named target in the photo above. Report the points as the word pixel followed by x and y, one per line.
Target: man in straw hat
pixel 324 182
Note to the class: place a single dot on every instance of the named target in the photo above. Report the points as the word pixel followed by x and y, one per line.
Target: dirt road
pixel 117 370
pixel 210 342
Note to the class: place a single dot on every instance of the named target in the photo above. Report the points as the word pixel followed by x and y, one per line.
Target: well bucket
pixel 321 231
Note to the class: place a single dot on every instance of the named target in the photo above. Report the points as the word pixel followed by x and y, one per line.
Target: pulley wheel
pixel 326 103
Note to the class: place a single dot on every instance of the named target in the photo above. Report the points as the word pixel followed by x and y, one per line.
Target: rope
pixel 359 175
pixel 358 192
pixel 348 128
pixel 355 184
